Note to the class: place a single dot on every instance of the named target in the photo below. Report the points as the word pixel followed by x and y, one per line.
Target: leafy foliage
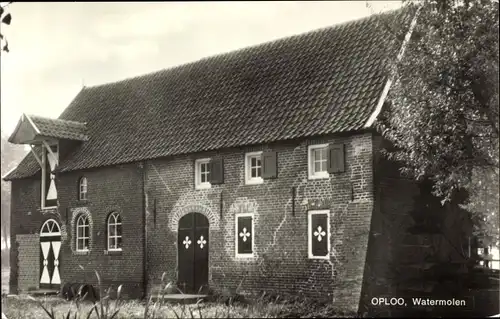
pixel 442 110
pixel 11 155
pixel 5 18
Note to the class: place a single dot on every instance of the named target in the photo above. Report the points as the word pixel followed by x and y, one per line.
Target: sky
pixel 56 48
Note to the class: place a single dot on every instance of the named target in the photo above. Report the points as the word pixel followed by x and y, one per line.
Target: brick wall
pixel 28 248
pixel 26 219
pixel 110 189
pixel 369 205
pixel 281 261
pixel 395 256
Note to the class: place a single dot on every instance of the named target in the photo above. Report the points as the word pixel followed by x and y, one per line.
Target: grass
pixel 24 307
pixel 54 307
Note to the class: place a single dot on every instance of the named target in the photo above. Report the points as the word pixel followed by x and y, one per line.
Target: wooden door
pixel 50 248
pixel 193 247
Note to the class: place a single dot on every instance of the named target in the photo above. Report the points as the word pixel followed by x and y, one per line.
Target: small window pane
pixel 317 166
pixel 323 166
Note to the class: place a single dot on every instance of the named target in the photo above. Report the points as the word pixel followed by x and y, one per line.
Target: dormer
pixel 45 137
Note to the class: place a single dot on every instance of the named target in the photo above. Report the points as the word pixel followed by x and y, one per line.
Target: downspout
pixel 145 231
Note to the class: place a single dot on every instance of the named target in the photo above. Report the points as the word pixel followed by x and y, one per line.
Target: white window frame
pixel 79 238
pixel 83 184
pixel 249 180
pixel 310 159
pixel 197 174
pixel 236 236
pixel 117 221
pixel 310 230
pixel 44 181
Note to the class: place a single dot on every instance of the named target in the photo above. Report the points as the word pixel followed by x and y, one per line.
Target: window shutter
pixel 336 158
pixel 269 165
pixel 245 236
pixel 319 234
pixel 216 171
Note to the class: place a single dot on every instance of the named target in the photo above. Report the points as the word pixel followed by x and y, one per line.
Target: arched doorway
pixel 192 252
pixel 50 247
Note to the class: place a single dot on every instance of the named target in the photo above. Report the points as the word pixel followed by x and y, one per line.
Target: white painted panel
pixel 52 193
pixel 56 247
pixel 45 279
pixel 56 279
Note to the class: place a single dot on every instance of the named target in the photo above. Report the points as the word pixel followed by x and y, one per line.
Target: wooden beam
pixel 47 146
pixel 221 204
pixel 36 156
pixel 154 213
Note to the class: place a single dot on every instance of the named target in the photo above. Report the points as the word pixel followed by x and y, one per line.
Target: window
pixel 82 233
pixel 202 173
pixel 253 168
pixel 114 232
pixel 319 234
pixel 244 235
pixel 318 161
pixel 82 189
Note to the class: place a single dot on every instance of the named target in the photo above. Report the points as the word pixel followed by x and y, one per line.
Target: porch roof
pixel 33 129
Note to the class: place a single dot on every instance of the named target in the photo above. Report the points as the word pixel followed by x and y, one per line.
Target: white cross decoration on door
pixel 245 234
pixel 201 242
pixel 320 233
pixel 187 242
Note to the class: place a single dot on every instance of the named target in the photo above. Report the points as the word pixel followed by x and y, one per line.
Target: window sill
pixel 319 176
pixel 203 186
pixel 114 252
pixel 327 257
pixel 255 181
pixel 81 252
pixel 245 256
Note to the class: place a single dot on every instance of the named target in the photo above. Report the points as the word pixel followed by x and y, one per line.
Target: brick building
pixel 256 170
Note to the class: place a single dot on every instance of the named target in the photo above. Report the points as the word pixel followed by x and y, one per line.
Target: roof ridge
pixel 53 119
pixel 246 48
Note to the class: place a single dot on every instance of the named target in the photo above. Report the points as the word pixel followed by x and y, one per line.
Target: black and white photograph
pixel 250 159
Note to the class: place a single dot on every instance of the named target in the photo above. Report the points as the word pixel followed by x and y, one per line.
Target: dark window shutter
pixel 269 165
pixel 336 158
pixel 319 234
pixel 216 171
pixel 245 235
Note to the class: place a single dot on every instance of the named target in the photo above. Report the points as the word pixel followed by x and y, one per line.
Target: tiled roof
pixel 321 82
pixel 60 129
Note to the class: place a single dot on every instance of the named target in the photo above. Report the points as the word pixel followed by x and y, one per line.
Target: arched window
pixel 114 231
pixel 82 189
pixel 82 233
